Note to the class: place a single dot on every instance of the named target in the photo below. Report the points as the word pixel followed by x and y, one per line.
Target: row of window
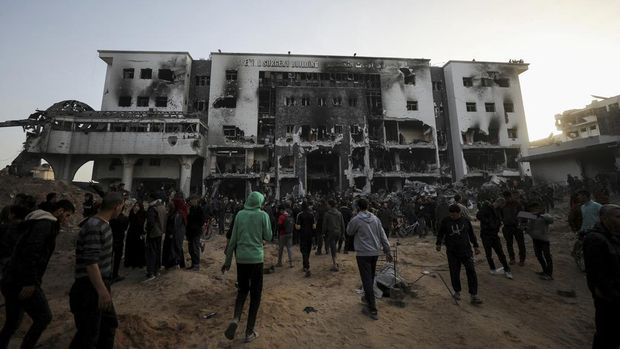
pixel 337 102
pixel 202 80
pixel 169 127
pixel 142 101
pixel 489 107
pixel 147 73
pixel 486 82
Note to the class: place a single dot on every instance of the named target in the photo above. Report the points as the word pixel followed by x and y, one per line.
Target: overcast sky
pixel 48 49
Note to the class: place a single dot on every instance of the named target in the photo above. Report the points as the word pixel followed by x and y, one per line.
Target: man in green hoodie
pixel 252 226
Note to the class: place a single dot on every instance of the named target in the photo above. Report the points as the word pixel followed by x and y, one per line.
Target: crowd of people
pixel 148 230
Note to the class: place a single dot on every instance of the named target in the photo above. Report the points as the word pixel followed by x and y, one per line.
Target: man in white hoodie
pixel 370 242
pixel 21 285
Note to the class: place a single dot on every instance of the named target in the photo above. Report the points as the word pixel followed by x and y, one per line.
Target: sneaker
pixel 475 299
pixel 251 336
pixel 512 262
pixel 546 277
pixel 508 275
pixel 308 274
pixel 373 314
pixel 497 271
pixel 230 331
pixel 457 296
pixel 150 278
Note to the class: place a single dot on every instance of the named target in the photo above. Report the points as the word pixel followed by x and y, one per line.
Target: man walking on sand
pixel 23 276
pixel 251 227
pixel 90 298
pixel 457 233
pixel 370 242
pixel 333 228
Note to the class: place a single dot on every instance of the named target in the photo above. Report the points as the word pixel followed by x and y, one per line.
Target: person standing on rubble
pixel 370 242
pixel 538 228
pixel 305 222
pixel 252 226
pixel 23 276
pixel 490 224
pixel 457 233
pixel 90 298
pixel 155 227
pixel 511 230
pixel 333 229
pixel 464 210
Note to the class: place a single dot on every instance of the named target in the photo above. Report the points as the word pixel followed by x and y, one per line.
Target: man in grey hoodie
pixel 370 242
pixel 21 285
pixel 538 228
pixel 333 229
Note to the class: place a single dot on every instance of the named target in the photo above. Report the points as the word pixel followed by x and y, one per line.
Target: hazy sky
pixel 48 49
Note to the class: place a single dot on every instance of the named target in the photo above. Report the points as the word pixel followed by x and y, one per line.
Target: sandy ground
pixel 170 312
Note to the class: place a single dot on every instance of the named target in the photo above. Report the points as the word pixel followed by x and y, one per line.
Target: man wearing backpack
pixel 285 234
pixel 21 285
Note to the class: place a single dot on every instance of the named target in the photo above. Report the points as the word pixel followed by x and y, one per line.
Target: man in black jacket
pixel 601 252
pixel 195 221
pixel 490 222
pixel 21 285
pixel 508 213
pixel 457 233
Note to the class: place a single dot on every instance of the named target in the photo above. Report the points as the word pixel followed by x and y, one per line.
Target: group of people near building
pixel 151 234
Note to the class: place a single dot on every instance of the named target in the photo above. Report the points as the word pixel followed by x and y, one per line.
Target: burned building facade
pixel 488 133
pixel 297 123
pixel 291 124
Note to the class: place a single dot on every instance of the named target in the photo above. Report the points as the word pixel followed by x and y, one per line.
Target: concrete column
pixel 186 174
pixel 397 160
pixel 128 165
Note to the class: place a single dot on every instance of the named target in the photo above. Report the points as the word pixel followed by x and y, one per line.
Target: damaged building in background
pixel 588 145
pixel 291 124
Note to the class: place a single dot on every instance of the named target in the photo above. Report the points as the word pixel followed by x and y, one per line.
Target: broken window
pixel 437 86
pixel 357 133
pixel 504 82
pixel 337 101
pixel 199 105
pixel 486 82
pixel 412 105
pixel 128 73
pixel 373 101
pixel 232 132
pixel 225 102
pixel 124 101
pixel 161 102
pixel 289 101
pixel 353 102
pixel 202 80
pixel 173 128
pixel 512 133
pixel 119 127
pixel 321 102
pixel 137 127
pixel 146 73
pixel 471 106
pixel 289 130
pixel 165 74
pixel 593 127
pixel 155 162
pixel 489 107
pixel 305 101
pixel 468 82
pixel 139 162
pixel 509 108
pixel 409 76
pixel 157 127
pixel 143 101
pixel 613 106
pixel 338 129
pixel 231 75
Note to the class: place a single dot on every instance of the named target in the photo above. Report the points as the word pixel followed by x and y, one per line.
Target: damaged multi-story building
pixel 292 124
pixel 588 145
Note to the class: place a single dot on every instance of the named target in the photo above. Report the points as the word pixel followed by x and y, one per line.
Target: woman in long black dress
pixel 134 247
